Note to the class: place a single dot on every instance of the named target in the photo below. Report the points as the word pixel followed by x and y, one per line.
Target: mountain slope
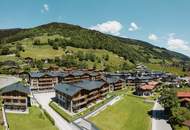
pixel 134 51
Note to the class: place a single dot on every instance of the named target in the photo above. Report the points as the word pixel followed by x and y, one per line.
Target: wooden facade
pixel 15 100
pixel 15 96
pixel 81 99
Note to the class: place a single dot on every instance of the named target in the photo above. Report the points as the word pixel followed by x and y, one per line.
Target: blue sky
pixel 164 23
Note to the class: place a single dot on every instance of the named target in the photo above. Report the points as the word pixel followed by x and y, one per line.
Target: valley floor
pixel 35 120
pixel 130 113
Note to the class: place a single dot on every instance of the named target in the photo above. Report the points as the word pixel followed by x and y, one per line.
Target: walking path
pixel 158 118
pixel 44 99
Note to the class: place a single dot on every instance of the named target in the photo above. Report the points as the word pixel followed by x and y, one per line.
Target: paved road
pixel 44 99
pixel 158 121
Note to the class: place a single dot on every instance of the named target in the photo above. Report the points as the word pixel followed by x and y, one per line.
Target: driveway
pixel 44 99
pixel 159 121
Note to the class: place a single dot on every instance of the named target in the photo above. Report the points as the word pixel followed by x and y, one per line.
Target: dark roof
pixel 89 84
pixel 16 87
pixel 68 89
pixel 61 74
pixel 111 80
pixel 77 73
pixel 73 88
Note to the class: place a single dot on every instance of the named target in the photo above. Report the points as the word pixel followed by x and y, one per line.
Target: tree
pixel 80 55
pixel 26 68
pixel 169 99
pixel 39 64
pixel 179 115
pixel 19 47
pixel 107 68
pixel 105 57
pixel 125 66
pixel 90 56
pixel 17 53
pixel 55 46
pixel 5 50
pixel 36 42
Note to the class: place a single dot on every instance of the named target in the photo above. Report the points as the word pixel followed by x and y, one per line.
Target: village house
pixel 115 83
pixel 47 80
pixel 74 96
pixel 135 81
pixel 184 98
pixel 43 80
pixel 15 97
pixel 146 89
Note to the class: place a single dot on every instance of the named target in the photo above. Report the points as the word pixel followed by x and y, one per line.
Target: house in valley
pixel 16 96
pixel 43 80
pixel 75 96
pixel 184 98
pixel 115 83
pixel 146 89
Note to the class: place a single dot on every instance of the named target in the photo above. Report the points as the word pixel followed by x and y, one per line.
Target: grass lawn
pixel 40 52
pixel 1 119
pixel 70 118
pixel 181 128
pixel 174 70
pixel 130 113
pixel 35 120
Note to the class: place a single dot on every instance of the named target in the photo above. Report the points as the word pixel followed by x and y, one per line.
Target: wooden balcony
pixel 104 89
pixel 103 94
pixel 79 104
pixel 15 103
pixel 79 98
pixel 94 97
pixel 46 79
pixel 45 82
pixel 93 92
pixel 13 97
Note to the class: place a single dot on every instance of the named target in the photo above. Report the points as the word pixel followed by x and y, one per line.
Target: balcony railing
pixel 14 97
pixel 93 92
pixel 15 103
pixel 93 97
pixel 79 104
pixel 79 98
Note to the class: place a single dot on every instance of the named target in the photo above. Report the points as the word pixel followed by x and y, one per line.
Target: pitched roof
pixel 186 123
pixel 111 80
pixel 89 84
pixel 183 94
pixel 68 89
pixel 16 87
pixel 61 74
pixel 151 85
pixel 73 88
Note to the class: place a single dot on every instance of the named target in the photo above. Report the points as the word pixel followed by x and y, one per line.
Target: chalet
pixel 15 96
pixel 41 81
pixel 115 83
pixel 74 96
pixel 184 98
pixel 135 81
pixel 146 89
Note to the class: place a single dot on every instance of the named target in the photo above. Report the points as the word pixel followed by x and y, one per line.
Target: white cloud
pixel 45 8
pixel 177 44
pixel 133 27
pixel 153 37
pixel 112 27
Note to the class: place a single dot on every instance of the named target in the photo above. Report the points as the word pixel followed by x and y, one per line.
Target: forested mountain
pixel 134 51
